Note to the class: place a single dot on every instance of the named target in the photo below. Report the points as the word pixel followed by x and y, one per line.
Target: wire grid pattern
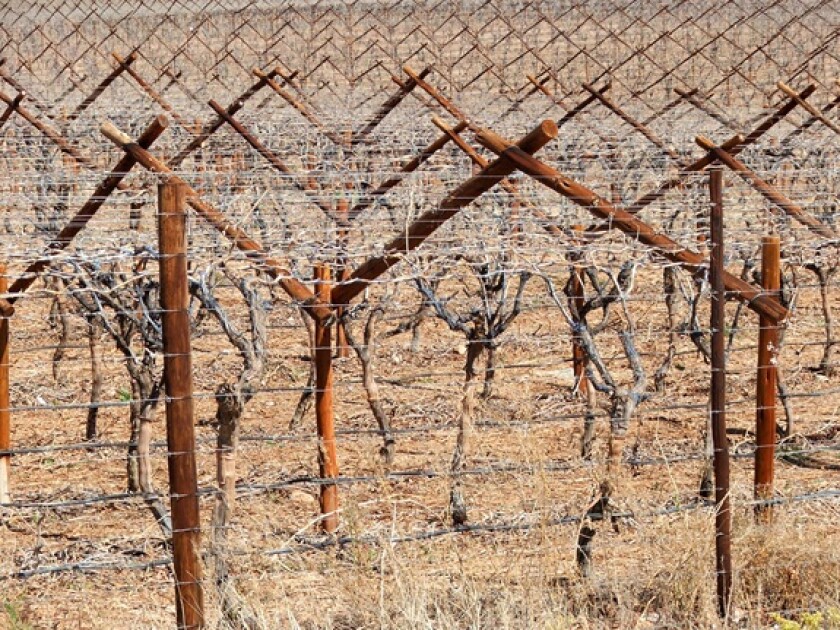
pixel 524 472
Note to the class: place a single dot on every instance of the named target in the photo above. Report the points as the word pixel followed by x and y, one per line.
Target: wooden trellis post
pixel 327 457
pixel 5 416
pixel 579 358
pixel 177 376
pixel 768 347
pixel 723 512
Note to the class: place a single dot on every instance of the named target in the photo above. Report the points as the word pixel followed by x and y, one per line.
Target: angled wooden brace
pixel 86 212
pixel 754 297
pixel 103 85
pixel 535 87
pixel 815 113
pixel 15 84
pixel 60 141
pixel 301 108
pixel 506 184
pixel 387 107
pixel 412 165
pixel 274 160
pixel 812 120
pixel 694 98
pixel 11 107
pixel 572 112
pixel 425 225
pixel 734 146
pixel 768 191
pixel 642 129
pixel 669 106
pixel 148 89
pixel 211 126
pixel 293 287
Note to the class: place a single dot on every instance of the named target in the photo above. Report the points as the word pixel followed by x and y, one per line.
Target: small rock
pixel 300 497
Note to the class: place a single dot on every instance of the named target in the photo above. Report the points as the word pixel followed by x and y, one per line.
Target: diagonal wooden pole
pixel 285 279
pixel 86 212
pixel 103 85
pixel 211 126
pixel 628 223
pixel 387 107
pixel 150 91
pixel 425 225
pixel 627 118
pixel 768 191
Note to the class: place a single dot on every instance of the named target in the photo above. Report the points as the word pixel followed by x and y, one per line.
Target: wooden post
pixel 5 416
pixel 177 374
pixel 723 514
pixel 579 358
pixel 327 457
pixel 342 347
pixel 768 345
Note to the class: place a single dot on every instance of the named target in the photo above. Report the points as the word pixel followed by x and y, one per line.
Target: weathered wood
pixel 5 413
pixel 627 223
pixel 387 107
pixel 327 456
pixel 103 85
pixel 642 129
pixel 211 126
pixel 253 250
pixel 87 211
pixel 273 159
pixel 815 113
pixel 723 513
pixel 430 221
pixel 148 89
pixel 177 376
pixel 769 192
pixel 768 351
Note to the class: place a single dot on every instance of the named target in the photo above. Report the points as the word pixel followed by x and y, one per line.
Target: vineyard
pixel 485 314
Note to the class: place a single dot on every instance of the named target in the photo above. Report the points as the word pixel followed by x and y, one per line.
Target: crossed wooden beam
pixel 365 274
pixel 626 220
pixel 114 181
